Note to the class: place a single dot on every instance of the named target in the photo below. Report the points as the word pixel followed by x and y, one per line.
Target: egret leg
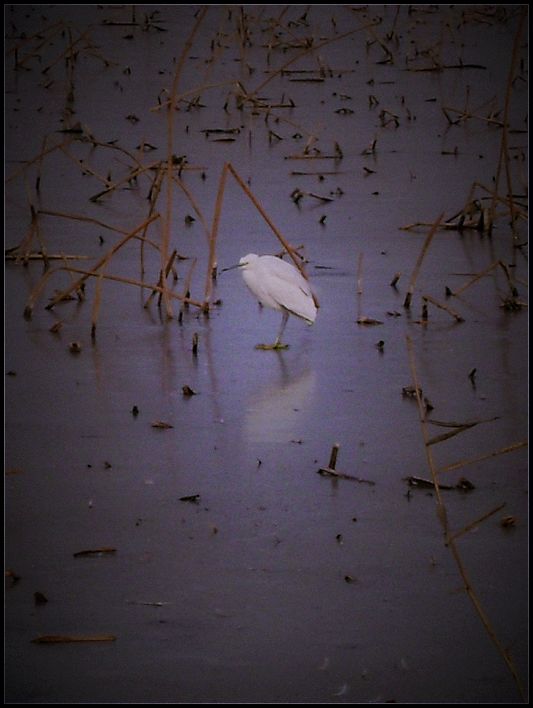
pixel 284 320
pixel 278 344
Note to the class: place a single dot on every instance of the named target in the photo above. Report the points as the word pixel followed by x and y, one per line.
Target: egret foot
pixel 272 347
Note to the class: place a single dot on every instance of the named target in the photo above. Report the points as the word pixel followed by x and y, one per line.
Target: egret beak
pixel 237 265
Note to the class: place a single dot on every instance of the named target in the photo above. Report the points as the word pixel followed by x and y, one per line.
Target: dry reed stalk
pixel 187 282
pixel 193 92
pixel 83 166
pixel 265 216
pixel 58 27
pixel 81 217
pixel 62 639
pixel 389 57
pixel 442 306
pixel 414 275
pixel 503 160
pixel 44 252
pixel 30 37
pixel 472 460
pixel 312 157
pixel 485 272
pixel 127 178
pixel 90 220
pixel 457 428
pixel 129 281
pixel 446 226
pixel 165 240
pixel 312 48
pixel 39 157
pixel 449 539
pixel 194 204
pixel 213 236
pixel 96 303
pixel 499 198
pixel 79 290
pixel 40 164
pixel 47 256
pixel 155 189
pixel 25 245
pixel 68 53
pixel 112 146
pixel 103 261
pixel 465 115
pixel 478 521
pixel 164 275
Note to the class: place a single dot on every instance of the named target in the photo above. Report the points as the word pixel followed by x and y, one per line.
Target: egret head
pixel 247 261
pixel 244 262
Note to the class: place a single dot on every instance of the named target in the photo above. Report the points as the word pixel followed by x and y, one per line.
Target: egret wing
pixel 288 288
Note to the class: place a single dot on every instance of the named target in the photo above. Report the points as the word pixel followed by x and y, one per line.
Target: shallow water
pixel 276 584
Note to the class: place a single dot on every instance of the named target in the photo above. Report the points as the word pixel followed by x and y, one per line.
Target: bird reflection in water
pixel 275 413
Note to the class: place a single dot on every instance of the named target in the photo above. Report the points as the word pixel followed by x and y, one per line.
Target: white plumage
pixel 279 285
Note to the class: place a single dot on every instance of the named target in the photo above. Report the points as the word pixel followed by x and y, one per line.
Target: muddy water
pixel 239 573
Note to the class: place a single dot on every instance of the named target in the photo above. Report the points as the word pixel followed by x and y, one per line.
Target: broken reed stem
pixel 333 456
pixel 475 523
pixel 472 460
pixel 414 275
pixel 165 240
pixel 442 306
pixel 449 539
pixel 102 261
pixel 504 151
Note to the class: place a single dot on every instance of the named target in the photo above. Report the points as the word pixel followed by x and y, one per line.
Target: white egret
pixel 281 286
